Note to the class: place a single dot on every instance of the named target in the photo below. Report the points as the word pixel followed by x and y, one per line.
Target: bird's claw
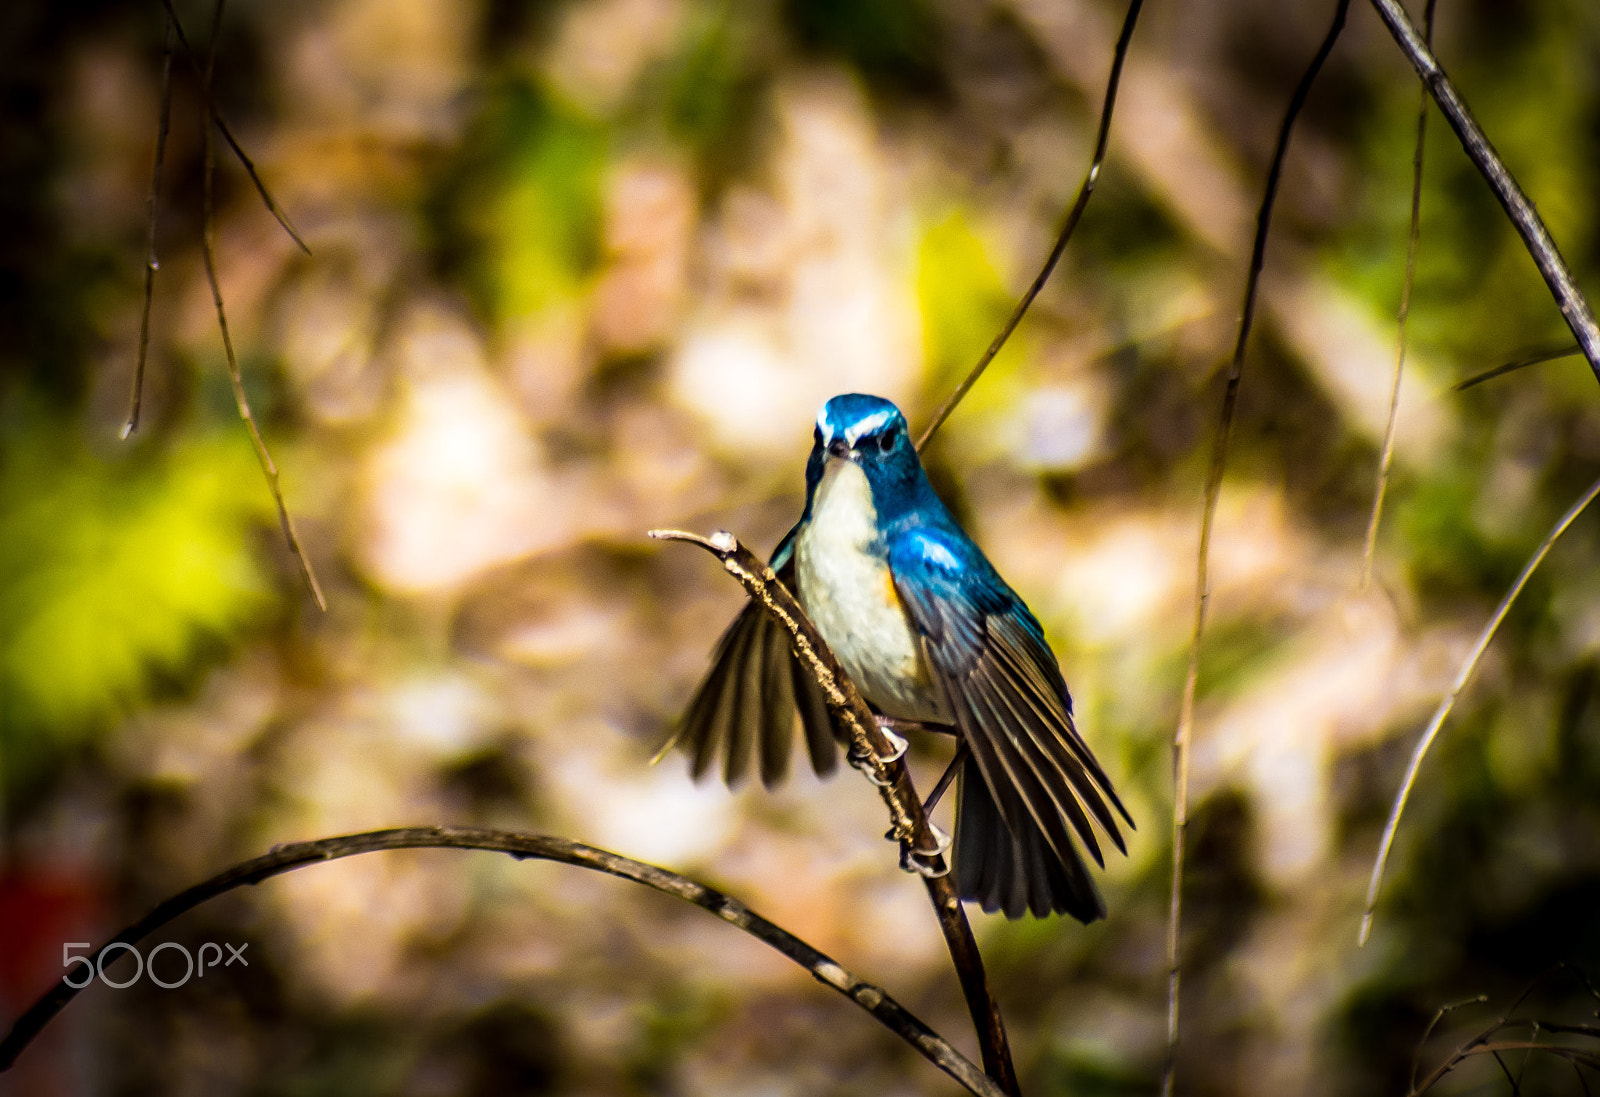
pixel 869 767
pixel 897 742
pixel 929 863
pixel 870 764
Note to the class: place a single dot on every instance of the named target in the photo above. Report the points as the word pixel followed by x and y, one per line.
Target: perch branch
pixel 1535 237
pixel 890 1013
pixel 1213 488
pixel 1071 222
pixel 151 265
pixel 208 250
pixel 920 848
pixel 1443 711
pixel 1413 237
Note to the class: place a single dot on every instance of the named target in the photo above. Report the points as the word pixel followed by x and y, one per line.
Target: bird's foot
pixel 930 863
pixel 886 725
pixel 869 764
pixel 896 723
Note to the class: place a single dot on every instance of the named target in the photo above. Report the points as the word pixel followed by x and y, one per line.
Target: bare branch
pixel 1479 1044
pixel 1578 1056
pixel 1550 354
pixel 208 250
pixel 1443 711
pixel 1438 1016
pixel 890 1013
pixel 1413 237
pixel 1574 1030
pixel 1213 488
pixel 921 849
pixel 1535 237
pixel 1522 1068
pixel 215 114
pixel 1073 216
pixel 1516 1090
pixel 151 265
pixel 1481 1038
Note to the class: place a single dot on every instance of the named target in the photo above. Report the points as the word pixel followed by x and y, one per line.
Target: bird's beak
pixel 838 448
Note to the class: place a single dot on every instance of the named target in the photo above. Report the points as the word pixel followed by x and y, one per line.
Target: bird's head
pixel 869 432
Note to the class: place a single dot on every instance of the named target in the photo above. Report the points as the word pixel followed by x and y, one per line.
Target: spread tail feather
pixel 1015 874
pixel 745 708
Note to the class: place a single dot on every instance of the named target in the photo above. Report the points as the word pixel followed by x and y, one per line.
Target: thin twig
pixel 1445 706
pixel 1501 1063
pixel 922 849
pixel 1482 1037
pixel 241 401
pixel 1413 237
pixel 1556 1027
pixel 215 114
pixel 1479 1045
pixel 890 1013
pixel 1213 488
pixel 1071 222
pixel 151 265
pixel 1550 354
pixel 1535 237
pixel 948 776
pixel 1562 1051
pixel 1573 1030
pixel 1416 1056
pixel 1522 1069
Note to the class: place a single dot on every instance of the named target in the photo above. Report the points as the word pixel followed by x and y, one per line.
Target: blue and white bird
pixel 932 636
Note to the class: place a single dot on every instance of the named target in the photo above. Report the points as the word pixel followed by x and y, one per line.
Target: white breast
pixel 847 590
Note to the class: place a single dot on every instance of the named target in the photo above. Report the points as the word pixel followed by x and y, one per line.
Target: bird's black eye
pixel 886 440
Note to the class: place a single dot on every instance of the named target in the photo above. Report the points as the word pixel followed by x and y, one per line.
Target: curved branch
pixel 921 848
pixel 1477 999
pixel 1538 357
pixel 890 1013
pixel 1535 237
pixel 1073 215
pixel 1480 1045
pixel 1213 488
pixel 1443 711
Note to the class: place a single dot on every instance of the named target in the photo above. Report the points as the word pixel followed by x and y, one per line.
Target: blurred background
pixel 583 268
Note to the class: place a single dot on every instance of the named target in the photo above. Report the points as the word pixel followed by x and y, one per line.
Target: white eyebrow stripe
pixel 822 425
pixel 854 431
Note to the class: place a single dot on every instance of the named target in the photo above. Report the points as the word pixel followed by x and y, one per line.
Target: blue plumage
pixel 929 632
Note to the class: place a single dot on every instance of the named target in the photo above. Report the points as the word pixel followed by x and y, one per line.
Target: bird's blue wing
pixel 748 700
pixel 1009 699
